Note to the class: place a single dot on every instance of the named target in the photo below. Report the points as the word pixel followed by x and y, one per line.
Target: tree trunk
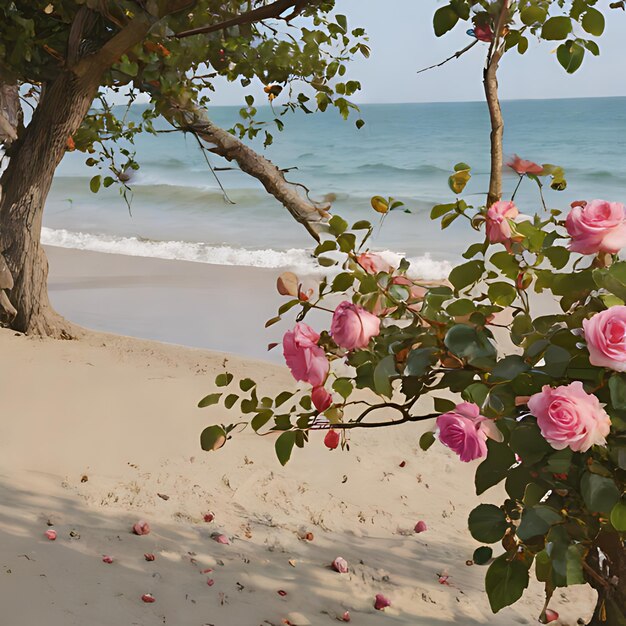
pixel 490 81
pixel 25 185
pixel 608 578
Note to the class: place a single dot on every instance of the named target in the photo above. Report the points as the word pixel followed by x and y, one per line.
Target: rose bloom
pixel 605 334
pixel 568 416
pixel 483 32
pixel 352 326
pixel 598 226
pixel 373 263
pixel 498 227
pixel 303 356
pixel 522 166
pixel 465 431
pixel 321 399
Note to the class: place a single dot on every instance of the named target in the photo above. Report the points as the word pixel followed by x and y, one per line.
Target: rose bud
pixel 340 565
pixel 381 602
pixel 420 527
pixel 331 441
pixel 141 528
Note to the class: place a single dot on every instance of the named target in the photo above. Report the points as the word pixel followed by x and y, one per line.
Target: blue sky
pixel 402 41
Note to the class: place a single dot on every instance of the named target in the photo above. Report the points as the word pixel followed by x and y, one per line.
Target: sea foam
pixel 296 259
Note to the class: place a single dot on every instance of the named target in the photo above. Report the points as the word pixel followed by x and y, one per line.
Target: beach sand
pixel 99 433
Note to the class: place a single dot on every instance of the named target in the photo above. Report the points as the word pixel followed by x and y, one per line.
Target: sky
pixel 402 41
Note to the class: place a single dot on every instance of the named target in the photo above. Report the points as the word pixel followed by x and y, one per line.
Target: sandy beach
pixel 104 431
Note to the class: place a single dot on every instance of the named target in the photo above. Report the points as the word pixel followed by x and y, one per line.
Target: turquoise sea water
pixel 405 150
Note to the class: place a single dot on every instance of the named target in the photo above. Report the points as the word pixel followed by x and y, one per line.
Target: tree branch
pixel 224 144
pixel 456 55
pixel 404 420
pixel 273 10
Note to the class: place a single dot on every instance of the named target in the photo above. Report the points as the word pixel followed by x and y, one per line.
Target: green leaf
pixel 282 397
pixel 593 22
pixel 467 342
pixel 260 419
pixel 383 372
pixel 533 14
pixel 442 405
pixel 427 439
pixel 509 367
pixel 212 398
pixel 211 438
pixel 556 28
pixel 224 379
pixel 617 387
pixel 618 516
pixel 94 183
pixel 361 225
pixel 487 523
pixel 495 467
pixel 482 555
pixel 342 281
pixel 528 442
pixel 459 180
pixel 284 446
pixel 444 20
pixel 466 274
pixel 537 520
pixel 246 384
pixel 337 225
pixel 343 386
pixel 441 209
pixel 599 493
pixel 502 294
pixel 570 55
pixel 419 361
pixel 612 279
pixel 230 400
pixel 505 582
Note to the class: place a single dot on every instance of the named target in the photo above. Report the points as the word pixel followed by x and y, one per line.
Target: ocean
pixel 407 151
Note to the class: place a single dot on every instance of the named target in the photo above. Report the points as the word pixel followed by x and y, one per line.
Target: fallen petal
pixel 551 616
pixel 209 517
pixel 340 565
pixel 345 617
pixel 149 556
pixel 107 559
pixel 221 539
pixel 381 602
pixel 282 592
pixel 51 534
pixel 210 582
pixel 141 528
pixel 148 597
pixel 402 464
pixel 420 527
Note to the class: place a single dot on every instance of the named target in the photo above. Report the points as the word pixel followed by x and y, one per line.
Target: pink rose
pixel 373 263
pixel 569 416
pixel 352 326
pixel 465 431
pixel 498 227
pixel 605 334
pixel 321 399
pixel 331 441
pixel 303 356
pixel 599 226
pixel 522 166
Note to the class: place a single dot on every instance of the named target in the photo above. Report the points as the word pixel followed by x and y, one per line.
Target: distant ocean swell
pixel 298 260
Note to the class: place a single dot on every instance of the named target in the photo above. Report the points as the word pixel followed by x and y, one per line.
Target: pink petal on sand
pixel 345 617
pixel 148 597
pixel 149 556
pixel 281 592
pixel 381 602
pixel 551 616
pixel 107 559
pixel 51 534
pixel 206 571
pixel 340 565
pixel 210 582
pixel 420 527
pixel 141 528
pixel 402 464
pixel 222 539
pixel 443 579
pixel 209 517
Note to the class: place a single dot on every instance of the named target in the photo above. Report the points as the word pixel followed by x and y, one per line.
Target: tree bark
pixel 497 129
pixel 609 580
pixel 25 185
pixel 311 216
